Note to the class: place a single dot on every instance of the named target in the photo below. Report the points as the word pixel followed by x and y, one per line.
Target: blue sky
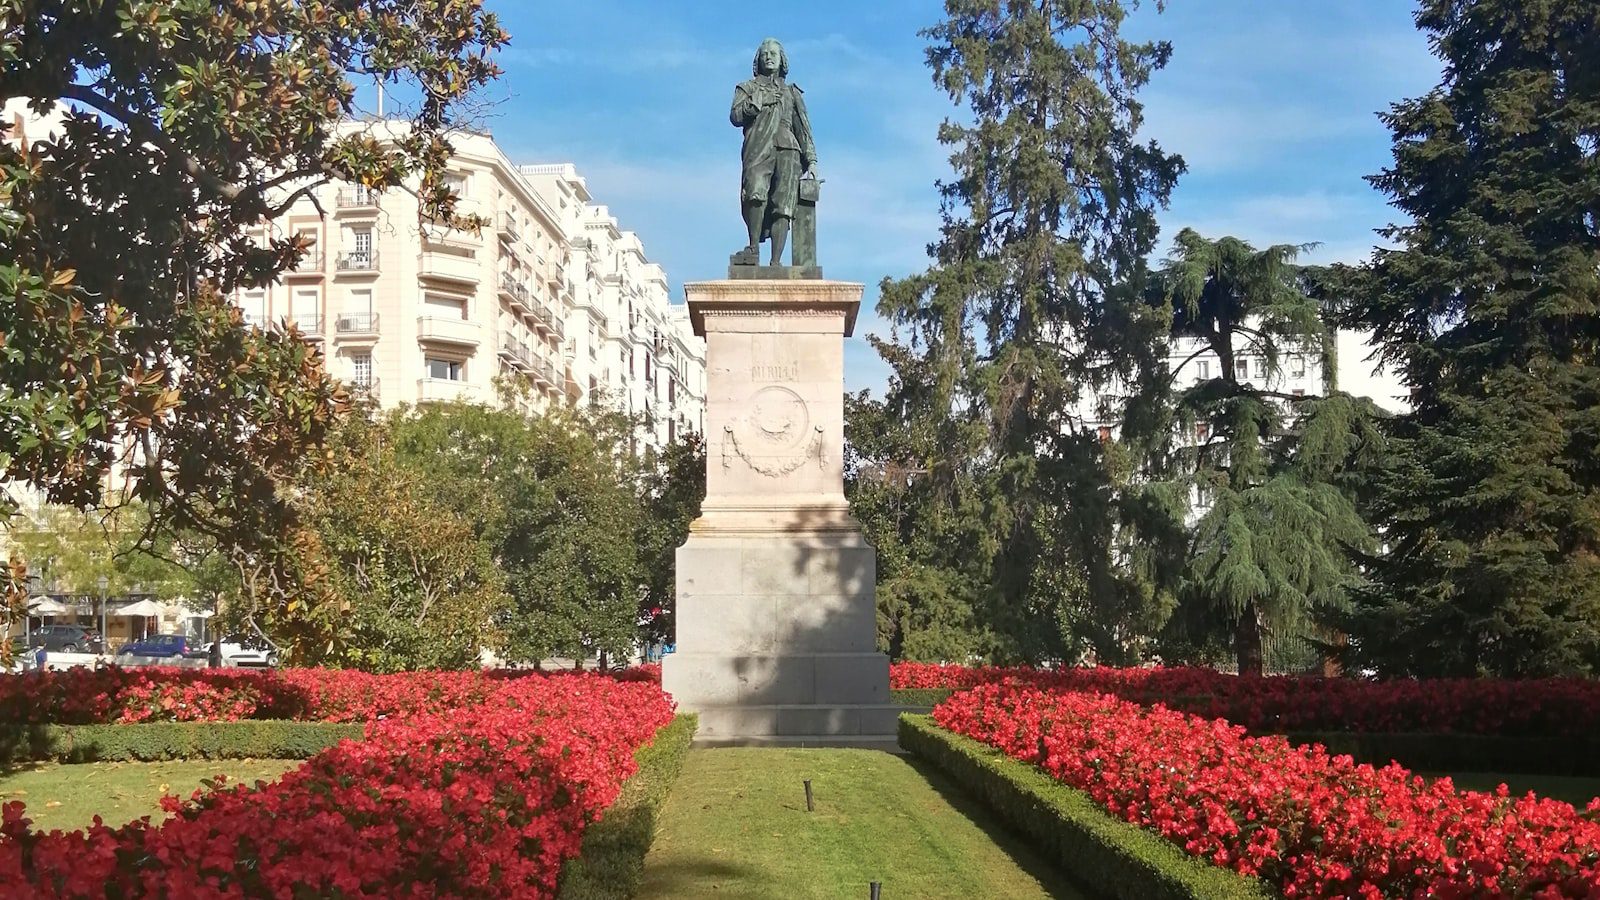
pixel 1272 105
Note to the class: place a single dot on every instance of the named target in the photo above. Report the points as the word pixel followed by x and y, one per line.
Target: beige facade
pixel 551 295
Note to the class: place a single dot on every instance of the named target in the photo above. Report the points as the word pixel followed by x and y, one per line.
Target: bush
pixel 172 740
pixel 920 697
pixel 486 799
pixel 1306 822
pixel 611 864
pixel 1113 857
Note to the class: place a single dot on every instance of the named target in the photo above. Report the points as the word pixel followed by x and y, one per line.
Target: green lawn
pixel 69 796
pixel 1575 790
pixel 735 825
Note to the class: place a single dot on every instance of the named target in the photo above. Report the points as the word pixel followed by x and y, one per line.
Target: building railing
pixel 358 262
pixel 508 228
pixel 357 323
pixel 307 323
pixel 356 197
pixel 310 262
pixel 365 387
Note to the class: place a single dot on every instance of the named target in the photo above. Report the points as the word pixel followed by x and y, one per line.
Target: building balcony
pixel 310 265
pixel 443 330
pixel 354 198
pixel 308 324
pixel 449 265
pixel 356 324
pixel 516 353
pixel 506 226
pixel 358 263
pixel 514 292
pixel 364 389
pixel 443 390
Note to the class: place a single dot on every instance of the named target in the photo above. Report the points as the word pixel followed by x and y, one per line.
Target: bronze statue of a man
pixel 777 150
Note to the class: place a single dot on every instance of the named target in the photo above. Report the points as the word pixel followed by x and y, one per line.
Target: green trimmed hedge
pixel 922 698
pixel 1109 856
pixel 148 741
pixel 1465 752
pixel 611 863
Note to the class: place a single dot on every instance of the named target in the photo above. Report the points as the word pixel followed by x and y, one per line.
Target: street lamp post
pixel 105 638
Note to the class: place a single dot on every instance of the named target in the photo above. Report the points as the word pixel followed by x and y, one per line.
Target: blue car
pixel 157 645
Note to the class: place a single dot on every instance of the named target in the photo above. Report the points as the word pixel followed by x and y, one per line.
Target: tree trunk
pixel 1247 642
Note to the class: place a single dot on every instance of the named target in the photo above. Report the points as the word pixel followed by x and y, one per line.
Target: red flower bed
pixel 160 693
pixel 485 799
pixel 1312 824
pixel 1554 707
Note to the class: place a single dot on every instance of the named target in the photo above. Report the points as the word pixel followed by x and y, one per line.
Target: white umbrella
pixel 141 608
pixel 44 606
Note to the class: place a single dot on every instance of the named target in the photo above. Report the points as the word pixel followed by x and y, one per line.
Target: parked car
pixel 247 650
pixel 158 645
pixel 66 639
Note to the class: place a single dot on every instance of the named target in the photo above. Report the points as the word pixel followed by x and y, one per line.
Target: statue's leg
pixel 752 222
pixel 780 236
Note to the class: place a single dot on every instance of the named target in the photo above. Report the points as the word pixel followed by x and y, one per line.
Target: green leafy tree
pixel 556 498
pixel 1490 307
pixel 1034 301
pixel 929 580
pixel 191 122
pixel 672 488
pixel 418 585
pixel 1268 554
pixel 72 550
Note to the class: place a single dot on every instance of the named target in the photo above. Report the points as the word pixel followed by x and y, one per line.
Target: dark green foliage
pixel 149 741
pixel 1114 858
pixel 1465 752
pixel 611 864
pixel 1033 301
pixel 122 233
pixel 1268 552
pixel 928 697
pixel 672 488
pixel 1490 307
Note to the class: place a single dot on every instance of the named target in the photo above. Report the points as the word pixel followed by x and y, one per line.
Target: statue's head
pixel 771 58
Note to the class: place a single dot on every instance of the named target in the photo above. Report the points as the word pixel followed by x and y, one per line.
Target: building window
pixel 444 369
pixel 456 182
pixel 444 306
pixel 1203 367
pixel 1298 366
pixel 1299 392
pixel 1105 434
pixel 1261 367
pixel 1241 368
pixel 361 369
pixel 1202 431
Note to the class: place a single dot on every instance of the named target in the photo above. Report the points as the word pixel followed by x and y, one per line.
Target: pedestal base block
pixel 777 640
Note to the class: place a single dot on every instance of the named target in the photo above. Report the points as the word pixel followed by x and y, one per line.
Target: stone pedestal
pixel 777 619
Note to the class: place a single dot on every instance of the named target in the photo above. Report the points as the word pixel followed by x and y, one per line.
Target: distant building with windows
pixel 552 295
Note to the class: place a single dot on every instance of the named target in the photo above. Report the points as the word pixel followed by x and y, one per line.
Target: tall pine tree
pixel 1033 301
pixel 1273 515
pixel 1490 306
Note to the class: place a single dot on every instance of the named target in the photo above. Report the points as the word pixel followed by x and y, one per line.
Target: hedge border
pixel 611 863
pixel 921 698
pixel 1109 856
pixel 152 741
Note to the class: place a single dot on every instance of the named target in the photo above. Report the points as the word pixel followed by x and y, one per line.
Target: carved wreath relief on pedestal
pixel 776 436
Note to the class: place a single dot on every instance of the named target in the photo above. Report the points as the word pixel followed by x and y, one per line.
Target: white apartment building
pixel 411 313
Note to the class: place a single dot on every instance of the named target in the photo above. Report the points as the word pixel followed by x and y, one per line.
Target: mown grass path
pixel 735 825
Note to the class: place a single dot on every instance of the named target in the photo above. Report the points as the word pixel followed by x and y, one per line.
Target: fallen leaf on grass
pixel 52 804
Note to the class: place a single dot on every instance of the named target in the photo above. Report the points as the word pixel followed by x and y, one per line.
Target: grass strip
pixel 611 864
pixel 152 741
pixel 736 827
pixel 1109 856
pixel 70 796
